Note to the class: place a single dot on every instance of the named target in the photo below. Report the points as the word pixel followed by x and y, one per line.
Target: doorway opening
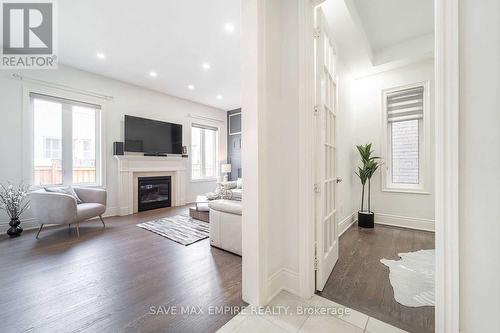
pixel 374 88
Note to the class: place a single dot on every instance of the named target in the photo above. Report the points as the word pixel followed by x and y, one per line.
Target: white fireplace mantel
pixel 130 167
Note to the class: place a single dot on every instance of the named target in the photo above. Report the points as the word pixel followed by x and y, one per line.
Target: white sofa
pixel 61 208
pixel 225 225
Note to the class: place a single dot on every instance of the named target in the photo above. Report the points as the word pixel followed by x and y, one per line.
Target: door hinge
pixel 317 33
pixel 316 110
pixel 316 261
pixel 317 188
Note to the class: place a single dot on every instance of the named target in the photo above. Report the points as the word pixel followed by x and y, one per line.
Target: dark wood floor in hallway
pixel 107 280
pixel 361 282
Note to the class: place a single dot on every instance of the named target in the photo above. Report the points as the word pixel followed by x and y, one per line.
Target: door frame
pixel 446 64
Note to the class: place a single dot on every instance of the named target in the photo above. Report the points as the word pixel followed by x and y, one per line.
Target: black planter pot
pixel 366 219
pixel 15 230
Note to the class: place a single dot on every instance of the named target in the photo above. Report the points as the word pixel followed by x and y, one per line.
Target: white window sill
pixel 406 190
pixel 204 180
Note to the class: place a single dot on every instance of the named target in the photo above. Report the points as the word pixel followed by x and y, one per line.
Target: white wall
pixel 270 148
pixel 366 95
pixel 479 194
pixel 128 99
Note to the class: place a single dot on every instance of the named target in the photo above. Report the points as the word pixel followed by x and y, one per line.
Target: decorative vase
pixel 14 230
pixel 366 220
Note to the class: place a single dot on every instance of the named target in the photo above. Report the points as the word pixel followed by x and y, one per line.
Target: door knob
pixel 338 180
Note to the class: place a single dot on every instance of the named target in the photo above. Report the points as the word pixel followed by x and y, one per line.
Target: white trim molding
pixel 282 279
pixel 306 147
pixel 447 165
pixel 416 223
pixel 347 223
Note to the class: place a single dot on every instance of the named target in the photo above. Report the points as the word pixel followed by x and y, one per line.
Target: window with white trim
pixel 203 152
pixel 405 113
pixel 66 141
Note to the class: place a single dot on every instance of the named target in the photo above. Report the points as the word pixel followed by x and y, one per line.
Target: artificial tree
pixel 365 173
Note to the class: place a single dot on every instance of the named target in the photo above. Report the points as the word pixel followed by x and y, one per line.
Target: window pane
pixel 84 143
pixel 210 153
pixel 47 142
pixel 405 151
pixel 196 153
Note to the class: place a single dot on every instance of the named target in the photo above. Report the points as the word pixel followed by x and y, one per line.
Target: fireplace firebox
pixel 154 192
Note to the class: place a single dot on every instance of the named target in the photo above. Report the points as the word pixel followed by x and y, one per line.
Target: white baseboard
pixel 346 223
pixel 31 223
pixel 26 224
pixel 405 222
pixel 283 279
pixel 111 211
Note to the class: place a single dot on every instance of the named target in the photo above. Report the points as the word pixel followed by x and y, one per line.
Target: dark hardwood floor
pixel 108 279
pixel 361 282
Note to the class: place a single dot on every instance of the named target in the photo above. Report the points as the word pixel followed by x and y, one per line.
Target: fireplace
pixel 154 192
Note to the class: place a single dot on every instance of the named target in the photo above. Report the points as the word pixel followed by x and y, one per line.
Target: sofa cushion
pixel 236 194
pixel 229 185
pixel 86 211
pixel 227 206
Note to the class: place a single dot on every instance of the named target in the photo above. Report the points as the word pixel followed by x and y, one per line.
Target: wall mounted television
pixel 152 136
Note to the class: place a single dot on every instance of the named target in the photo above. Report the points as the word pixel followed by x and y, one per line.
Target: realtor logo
pixel 28 34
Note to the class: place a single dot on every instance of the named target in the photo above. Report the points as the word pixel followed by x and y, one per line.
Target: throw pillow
pixel 65 190
pixel 228 185
pixel 239 183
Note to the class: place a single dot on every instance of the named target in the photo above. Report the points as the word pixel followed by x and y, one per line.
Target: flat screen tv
pixel 152 137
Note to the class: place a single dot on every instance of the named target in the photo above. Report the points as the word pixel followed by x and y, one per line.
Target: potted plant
pixel 366 219
pixel 13 201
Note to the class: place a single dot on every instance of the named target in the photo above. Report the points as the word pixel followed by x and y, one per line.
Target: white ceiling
pixel 372 36
pixel 171 37
pixel 390 22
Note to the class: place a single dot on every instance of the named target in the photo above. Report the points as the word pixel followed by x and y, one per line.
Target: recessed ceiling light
pixel 229 28
pixel 219 96
pixel 206 66
pixel 101 55
pixel 153 74
pixel 191 87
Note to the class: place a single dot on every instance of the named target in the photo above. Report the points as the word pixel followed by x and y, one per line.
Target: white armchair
pixel 60 208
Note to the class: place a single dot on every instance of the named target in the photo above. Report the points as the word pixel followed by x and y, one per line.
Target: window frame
pixel 424 144
pixel 204 178
pixel 28 135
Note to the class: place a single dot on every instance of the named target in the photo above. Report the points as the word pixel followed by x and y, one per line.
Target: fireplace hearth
pixel 154 192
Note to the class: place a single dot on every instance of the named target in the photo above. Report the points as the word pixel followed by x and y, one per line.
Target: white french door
pixel 327 248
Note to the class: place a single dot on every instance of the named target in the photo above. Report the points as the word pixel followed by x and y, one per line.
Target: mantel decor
pixel 13 201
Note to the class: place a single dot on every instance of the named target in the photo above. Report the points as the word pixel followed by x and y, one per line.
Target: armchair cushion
pixel 85 211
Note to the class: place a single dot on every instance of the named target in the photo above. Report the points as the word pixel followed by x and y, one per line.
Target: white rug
pixel 412 278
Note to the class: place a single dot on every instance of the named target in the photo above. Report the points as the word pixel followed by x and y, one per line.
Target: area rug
pixel 412 278
pixel 180 228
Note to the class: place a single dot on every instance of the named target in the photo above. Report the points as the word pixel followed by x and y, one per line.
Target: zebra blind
pixel 407 104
